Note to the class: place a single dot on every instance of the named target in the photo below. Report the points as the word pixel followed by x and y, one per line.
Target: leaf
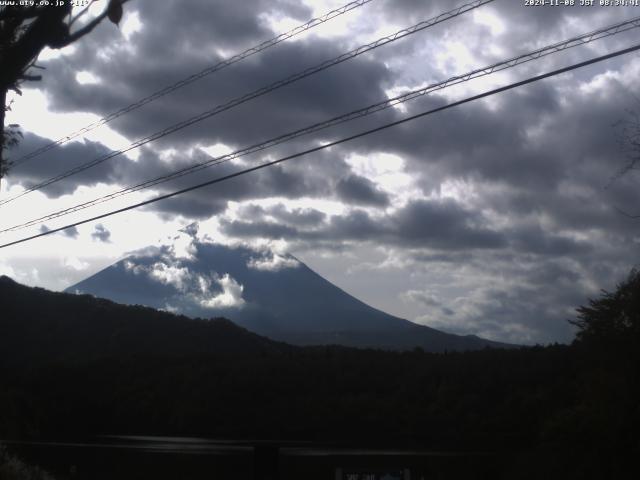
pixel 114 11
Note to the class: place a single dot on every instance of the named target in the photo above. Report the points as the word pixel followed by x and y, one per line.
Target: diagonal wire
pixel 195 77
pixel 480 72
pixel 259 92
pixel 334 143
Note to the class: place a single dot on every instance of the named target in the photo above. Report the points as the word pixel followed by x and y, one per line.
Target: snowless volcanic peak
pixel 269 293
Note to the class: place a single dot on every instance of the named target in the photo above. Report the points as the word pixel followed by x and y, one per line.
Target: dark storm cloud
pixel 101 234
pixel 71 232
pixel 189 206
pixel 493 32
pixel 154 59
pixel 501 294
pixel 276 181
pixel 563 172
pixel 127 75
pixel 445 225
pixel 58 160
pixel 533 155
pixel 496 308
pixel 428 301
pixel 536 240
pixel 543 308
pixel 474 139
pixel 210 25
pixel 259 229
pixel 201 23
pixel 527 23
pixel 537 160
pixel 303 217
pixel 324 176
pixel 298 216
pixel 361 191
pixel 420 224
pixel 67 232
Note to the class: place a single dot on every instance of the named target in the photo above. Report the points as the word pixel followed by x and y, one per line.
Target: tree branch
pixel 81 13
pixel 88 28
pixel 31 78
pixel 72 37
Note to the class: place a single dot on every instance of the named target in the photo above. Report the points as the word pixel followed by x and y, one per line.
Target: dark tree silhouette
pixel 24 32
pixel 629 139
pixel 74 366
pixel 614 318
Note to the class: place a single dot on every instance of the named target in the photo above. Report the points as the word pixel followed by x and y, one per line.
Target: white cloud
pixel 170 275
pixel 183 246
pixel 33 114
pixel 132 267
pixel 170 308
pixel 7 270
pixel 165 273
pixel 75 263
pixel 273 263
pixel 425 298
pixel 485 17
pixel 86 78
pixel 231 296
pixel 131 24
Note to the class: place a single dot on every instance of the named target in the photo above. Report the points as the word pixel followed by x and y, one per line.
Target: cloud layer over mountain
pixel 496 218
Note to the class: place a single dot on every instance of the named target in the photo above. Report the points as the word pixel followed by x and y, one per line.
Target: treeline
pixel 573 409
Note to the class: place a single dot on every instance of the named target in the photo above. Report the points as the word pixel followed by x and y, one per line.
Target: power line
pixel 334 143
pixel 196 76
pixel 503 65
pixel 259 92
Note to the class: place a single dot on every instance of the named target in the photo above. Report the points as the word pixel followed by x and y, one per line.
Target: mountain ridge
pixel 276 296
pixel 43 326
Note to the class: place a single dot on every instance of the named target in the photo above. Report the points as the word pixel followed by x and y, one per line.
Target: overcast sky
pixel 496 218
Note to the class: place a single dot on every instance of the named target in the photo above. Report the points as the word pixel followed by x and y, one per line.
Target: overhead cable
pixel 331 144
pixel 499 66
pixel 257 93
pixel 192 78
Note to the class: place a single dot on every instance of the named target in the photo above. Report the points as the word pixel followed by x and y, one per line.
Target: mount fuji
pixel 273 295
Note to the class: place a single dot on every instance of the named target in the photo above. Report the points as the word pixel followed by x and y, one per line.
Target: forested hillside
pixel 75 366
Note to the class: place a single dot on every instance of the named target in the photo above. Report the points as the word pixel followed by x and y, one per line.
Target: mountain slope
pixel 39 325
pixel 275 296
